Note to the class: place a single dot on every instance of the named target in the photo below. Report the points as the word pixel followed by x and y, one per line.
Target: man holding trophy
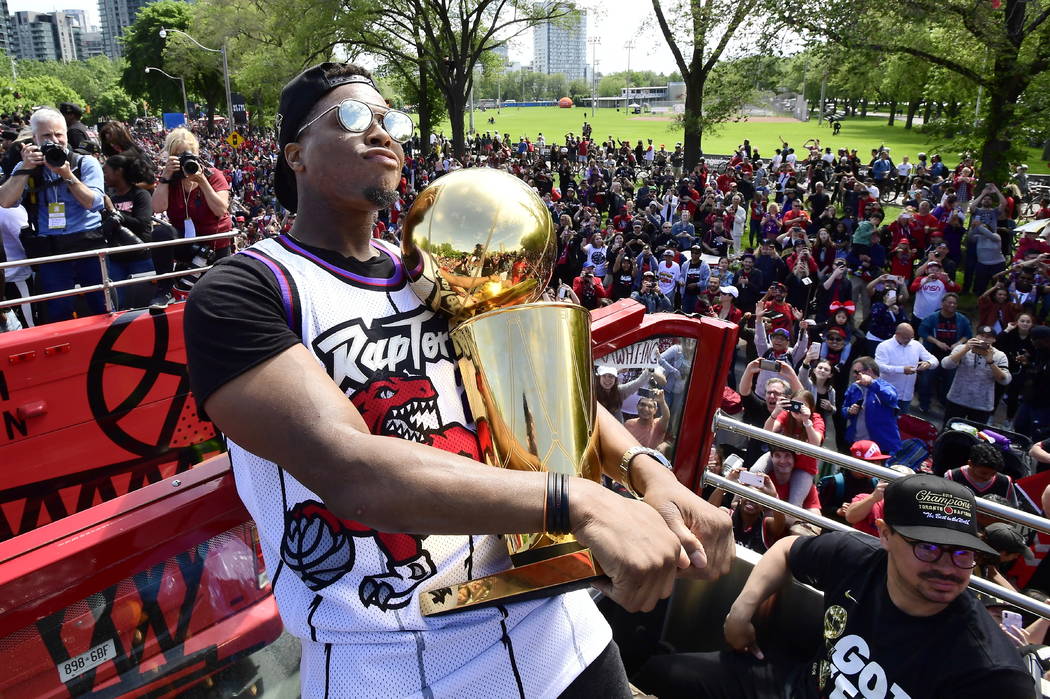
pixel 385 527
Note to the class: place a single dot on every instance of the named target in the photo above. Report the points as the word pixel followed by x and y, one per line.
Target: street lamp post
pixel 594 41
pixel 627 97
pixel 182 84
pixel 225 67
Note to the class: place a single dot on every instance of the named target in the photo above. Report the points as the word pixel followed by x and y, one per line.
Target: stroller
pixel 952 448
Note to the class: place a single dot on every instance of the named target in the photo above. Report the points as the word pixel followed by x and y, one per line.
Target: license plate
pixel 75 667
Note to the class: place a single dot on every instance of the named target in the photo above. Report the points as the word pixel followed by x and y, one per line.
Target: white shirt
pixel 12 221
pixel 892 357
pixel 667 276
pixel 904 169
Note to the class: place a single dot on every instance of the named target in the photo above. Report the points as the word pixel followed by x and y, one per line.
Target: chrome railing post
pixel 107 288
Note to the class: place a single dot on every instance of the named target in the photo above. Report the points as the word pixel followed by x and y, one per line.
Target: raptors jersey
pixel 350 592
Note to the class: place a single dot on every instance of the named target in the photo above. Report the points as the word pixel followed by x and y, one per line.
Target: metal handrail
pixel 103 255
pixel 980 584
pixel 69 256
pixel 724 422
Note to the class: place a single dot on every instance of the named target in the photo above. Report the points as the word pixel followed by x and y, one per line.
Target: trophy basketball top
pixel 478 239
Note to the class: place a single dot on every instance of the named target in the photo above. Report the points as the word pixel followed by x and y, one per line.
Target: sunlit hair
pixel 181 140
pixel 45 115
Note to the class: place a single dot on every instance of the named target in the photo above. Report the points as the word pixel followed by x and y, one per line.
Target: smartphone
pixel 753 479
pixel 775 316
pixel 806 281
pixel 1009 618
pixel 795 406
pixel 769 365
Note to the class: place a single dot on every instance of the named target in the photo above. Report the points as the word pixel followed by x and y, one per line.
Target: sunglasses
pixel 357 117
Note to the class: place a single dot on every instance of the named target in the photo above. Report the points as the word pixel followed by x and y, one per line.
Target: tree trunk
pixel 425 111
pixel 1001 100
pixel 926 112
pixel 953 109
pixel 893 112
pixel 913 107
pixel 864 108
pixel 456 115
pixel 694 106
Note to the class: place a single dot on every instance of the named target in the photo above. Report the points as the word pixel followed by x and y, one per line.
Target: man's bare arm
pixel 287 410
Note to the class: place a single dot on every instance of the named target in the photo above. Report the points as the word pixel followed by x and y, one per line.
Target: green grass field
pixel 862 134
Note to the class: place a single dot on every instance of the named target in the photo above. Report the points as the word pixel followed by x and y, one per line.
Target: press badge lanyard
pixel 189 230
pixel 56 212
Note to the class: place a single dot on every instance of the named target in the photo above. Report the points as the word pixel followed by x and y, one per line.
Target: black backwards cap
pixel 297 99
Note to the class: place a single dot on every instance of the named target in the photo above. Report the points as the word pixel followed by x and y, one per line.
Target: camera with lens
pixel 54 154
pixel 190 165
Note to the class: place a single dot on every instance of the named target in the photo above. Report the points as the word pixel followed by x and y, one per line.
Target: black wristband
pixel 557 514
pixel 563 511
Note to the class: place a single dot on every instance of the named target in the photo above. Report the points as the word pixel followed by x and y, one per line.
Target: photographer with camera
pixel 589 289
pixel 978 368
pixel 196 199
pixel 62 193
pixel 650 295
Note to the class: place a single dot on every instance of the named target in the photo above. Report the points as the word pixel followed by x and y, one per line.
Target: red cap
pixel 867 450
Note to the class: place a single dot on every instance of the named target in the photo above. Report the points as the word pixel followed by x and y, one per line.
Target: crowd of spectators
pixel 848 311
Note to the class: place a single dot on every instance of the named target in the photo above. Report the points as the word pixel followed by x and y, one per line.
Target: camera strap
pixel 38 185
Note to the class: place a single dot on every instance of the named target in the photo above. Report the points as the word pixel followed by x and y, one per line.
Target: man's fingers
pixel 756 651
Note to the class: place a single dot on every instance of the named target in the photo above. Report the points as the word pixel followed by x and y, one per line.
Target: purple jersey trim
pixel 282 281
pixel 395 281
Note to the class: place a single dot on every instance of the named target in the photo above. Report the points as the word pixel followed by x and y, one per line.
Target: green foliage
pixel 114 104
pixel 34 91
pixel 144 47
pixel 91 78
pixel 612 85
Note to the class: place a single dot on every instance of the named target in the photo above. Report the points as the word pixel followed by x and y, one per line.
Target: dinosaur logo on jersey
pixel 356 351
pixel 320 548
pixel 407 407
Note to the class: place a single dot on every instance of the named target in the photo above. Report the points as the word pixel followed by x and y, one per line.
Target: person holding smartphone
pixel 979 366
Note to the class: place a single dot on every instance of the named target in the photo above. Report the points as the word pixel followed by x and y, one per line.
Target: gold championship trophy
pixel 480 247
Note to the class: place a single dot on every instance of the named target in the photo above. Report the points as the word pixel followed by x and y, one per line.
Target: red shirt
pixel 204 221
pixel 806 463
pixel 810 502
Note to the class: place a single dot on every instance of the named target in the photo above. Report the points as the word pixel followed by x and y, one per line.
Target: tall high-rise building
pixel 7 43
pixel 561 46
pixel 43 36
pixel 117 15
pixel 78 17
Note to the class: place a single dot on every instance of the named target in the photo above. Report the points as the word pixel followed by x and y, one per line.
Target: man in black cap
pixel 898 620
pixel 355 455
pixel 76 132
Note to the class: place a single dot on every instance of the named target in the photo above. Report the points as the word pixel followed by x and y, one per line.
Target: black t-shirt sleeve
pixel 141 214
pixel 822 560
pixel 1002 683
pixel 234 320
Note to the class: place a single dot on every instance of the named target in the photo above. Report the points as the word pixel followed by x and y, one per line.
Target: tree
pixel 702 29
pixel 28 92
pixel 1015 35
pixel 265 49
pixel 144 47
pixel 446 40
pixel 92 78
pixel 114 104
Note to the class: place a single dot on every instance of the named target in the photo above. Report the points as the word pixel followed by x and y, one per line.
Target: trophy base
pixel 551 576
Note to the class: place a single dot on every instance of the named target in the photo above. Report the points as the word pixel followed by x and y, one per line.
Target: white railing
pixel 103 260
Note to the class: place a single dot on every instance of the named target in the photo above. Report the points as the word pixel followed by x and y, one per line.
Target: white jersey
pixel 350 593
